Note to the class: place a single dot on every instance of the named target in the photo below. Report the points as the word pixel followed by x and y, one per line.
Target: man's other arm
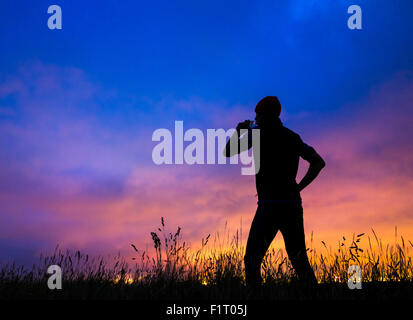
pixel 316 165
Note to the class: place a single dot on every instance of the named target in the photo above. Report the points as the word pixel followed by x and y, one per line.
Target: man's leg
pixel 262 232
pixel 293 233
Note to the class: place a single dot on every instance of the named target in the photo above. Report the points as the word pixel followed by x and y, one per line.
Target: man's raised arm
pixel 236 142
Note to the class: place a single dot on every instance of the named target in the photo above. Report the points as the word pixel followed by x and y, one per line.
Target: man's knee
pixel 247 260
pixel 251 262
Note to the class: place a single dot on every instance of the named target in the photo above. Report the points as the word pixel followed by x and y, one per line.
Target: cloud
pixel 73 177
pixel 69 169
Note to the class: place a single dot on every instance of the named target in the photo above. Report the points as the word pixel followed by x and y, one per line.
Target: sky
pixel 78 107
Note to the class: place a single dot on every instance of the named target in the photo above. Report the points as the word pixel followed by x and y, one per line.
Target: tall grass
pixel 214 270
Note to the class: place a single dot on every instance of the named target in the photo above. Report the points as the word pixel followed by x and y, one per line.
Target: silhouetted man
pixel 279 201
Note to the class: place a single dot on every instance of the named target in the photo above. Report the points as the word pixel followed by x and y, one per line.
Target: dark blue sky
pixel 236 51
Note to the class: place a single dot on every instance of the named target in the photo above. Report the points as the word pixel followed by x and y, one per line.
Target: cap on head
pixel 269 105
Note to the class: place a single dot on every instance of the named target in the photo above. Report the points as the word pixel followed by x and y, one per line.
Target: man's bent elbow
pixel 317 162
pixel 322 163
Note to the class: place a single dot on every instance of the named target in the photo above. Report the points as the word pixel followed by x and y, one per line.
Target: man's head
pixel 268 106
